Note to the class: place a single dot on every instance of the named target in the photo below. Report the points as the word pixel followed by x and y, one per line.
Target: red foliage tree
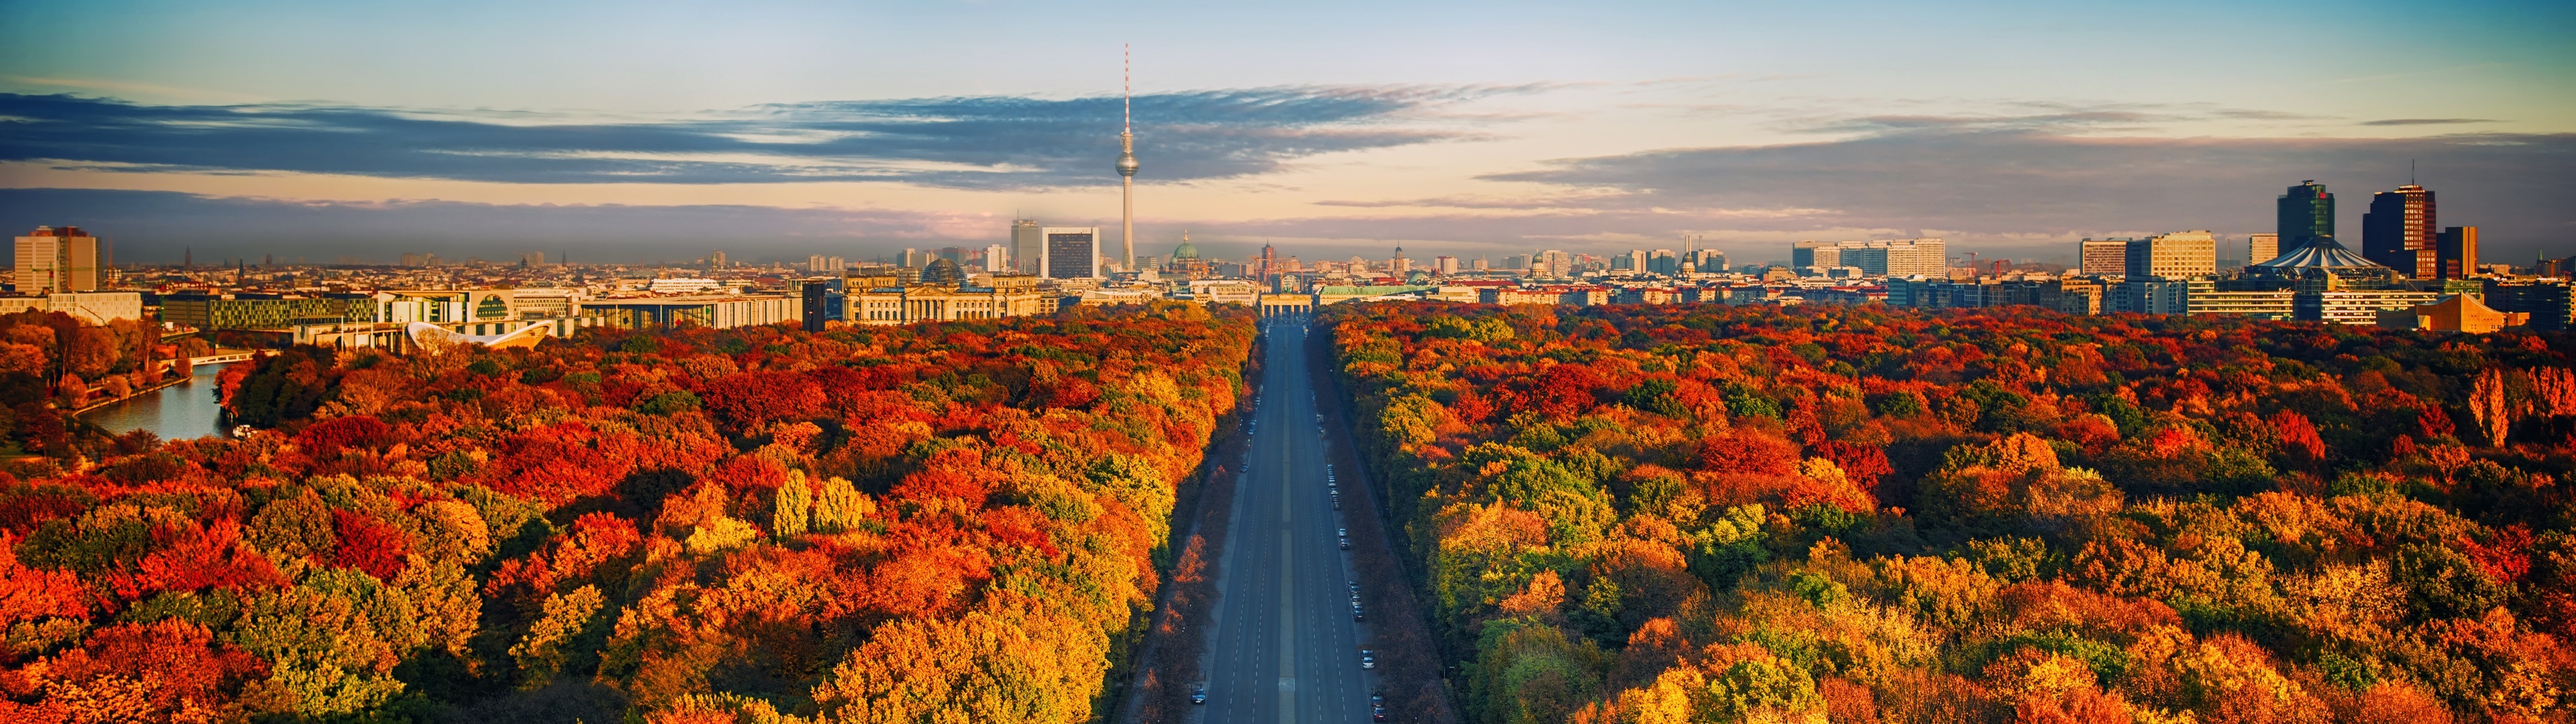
pixel 324 440
pixel 751 400
pixel 368 545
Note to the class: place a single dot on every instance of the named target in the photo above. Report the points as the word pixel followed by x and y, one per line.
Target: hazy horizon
pixel 776 130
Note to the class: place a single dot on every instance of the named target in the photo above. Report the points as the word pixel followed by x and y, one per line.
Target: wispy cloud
pixel 2426 121
pixel 967 142
pixel 2003 180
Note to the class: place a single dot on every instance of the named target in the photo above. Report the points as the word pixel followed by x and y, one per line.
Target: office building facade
pixel 1069 252
pixel 2103 257
pixel 2398 233
pixel 1026 246
pixel 2261 248
pixel 2178 255
pixel 60 260
pixel 2455 253
pixel 2305 212
pixel 1894 258
pixel 1806 254
pixel 2547 301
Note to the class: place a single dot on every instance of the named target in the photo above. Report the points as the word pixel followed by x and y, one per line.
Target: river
pixel 177 412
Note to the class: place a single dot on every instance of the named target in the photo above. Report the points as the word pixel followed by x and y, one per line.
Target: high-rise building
pixel 1552 263
pixel 716 260
pixel 1071 252
pixel 2305 212
pixel 532 259
pixel 821 264
pixel 1442 265
pixel 1028 245
pixel 2455 252
pixel 997 258
pixel 2261 248
pixel 2179 255
pixel 1811 253
pixel 2103 257
pixel 1704 260
pixel 2397 232
pixel 60 260
pixel 1663 261
pixel 1895 258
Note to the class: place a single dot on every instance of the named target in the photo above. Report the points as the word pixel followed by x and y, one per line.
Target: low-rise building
pixel 996 297
pixel 720 311
pixel 264 311
pixel 1327 295
pixel 2354 306
pixel 2546 300
pixel 89 307
pixel 2458 313
pixel 2258 305
pixel 1224 291
pixel 1514 295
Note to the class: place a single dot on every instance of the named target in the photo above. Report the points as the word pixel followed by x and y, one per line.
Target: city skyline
pixel 1602 130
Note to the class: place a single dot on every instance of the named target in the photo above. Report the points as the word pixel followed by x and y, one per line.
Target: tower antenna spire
pixel 1127 89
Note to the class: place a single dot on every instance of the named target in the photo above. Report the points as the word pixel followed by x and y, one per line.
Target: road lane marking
pixel 1287 630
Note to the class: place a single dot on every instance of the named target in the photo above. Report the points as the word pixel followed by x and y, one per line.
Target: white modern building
pixel 1890 258
pixel 89 307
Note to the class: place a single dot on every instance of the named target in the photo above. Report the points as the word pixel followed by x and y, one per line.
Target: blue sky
pixel 1331 128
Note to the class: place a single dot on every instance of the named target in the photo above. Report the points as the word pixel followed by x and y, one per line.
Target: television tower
pixel 1127 156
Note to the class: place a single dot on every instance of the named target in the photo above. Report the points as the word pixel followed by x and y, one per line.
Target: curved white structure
pixel 425 333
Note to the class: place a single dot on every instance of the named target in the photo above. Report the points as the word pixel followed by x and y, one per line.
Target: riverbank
pixel 174 408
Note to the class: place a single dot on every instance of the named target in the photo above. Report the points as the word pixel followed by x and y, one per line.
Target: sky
pixel 773 129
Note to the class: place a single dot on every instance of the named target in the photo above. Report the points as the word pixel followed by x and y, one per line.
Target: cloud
pixel 161 226
pixel 962 142
pixel 2003 182
pixel 2426 121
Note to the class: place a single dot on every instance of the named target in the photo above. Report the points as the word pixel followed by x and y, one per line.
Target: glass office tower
pixel 2306 212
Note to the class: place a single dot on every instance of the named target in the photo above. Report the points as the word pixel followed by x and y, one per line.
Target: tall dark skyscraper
pixel 2397 232
pixel 2306 212
pixel 2456 252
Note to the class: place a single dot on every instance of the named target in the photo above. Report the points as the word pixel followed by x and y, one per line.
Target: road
pixel 1286 649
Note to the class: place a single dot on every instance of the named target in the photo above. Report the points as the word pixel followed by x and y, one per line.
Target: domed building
pixel 1186 261
pixel 942 271
pixel 2324 264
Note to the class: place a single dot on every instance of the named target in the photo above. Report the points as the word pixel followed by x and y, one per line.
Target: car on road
pixel 1343 532
pixel 1377 713
pixel 1199 696
pixel 1346 544
pixel 1368 659
pixel 1356 615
